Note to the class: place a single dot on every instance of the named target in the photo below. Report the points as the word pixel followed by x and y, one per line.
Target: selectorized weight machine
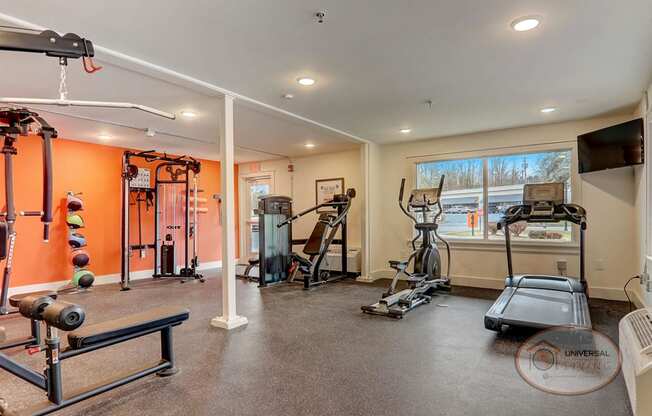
pixel 174 196
pixel 310 270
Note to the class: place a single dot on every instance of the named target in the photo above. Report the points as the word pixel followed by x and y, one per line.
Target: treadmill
pixel 541 301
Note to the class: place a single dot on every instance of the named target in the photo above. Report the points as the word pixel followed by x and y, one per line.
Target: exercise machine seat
pixel 129 325
pixel 14 300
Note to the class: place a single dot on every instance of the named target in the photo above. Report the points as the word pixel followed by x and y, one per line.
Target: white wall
pixel 643 205
pixel 300 185
pixel 609 197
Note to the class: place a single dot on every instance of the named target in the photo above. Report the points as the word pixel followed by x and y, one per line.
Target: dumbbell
pixel 62 315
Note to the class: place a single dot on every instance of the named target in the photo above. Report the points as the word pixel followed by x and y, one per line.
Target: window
pixel 462 197
pixel 468 215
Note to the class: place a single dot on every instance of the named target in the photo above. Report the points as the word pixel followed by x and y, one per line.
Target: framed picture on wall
pixel 326 189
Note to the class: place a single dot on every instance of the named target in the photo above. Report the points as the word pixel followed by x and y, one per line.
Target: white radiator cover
pixel 635 331
pixel 333 260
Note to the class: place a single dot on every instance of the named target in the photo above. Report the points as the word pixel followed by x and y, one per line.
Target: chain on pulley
pixel 63 87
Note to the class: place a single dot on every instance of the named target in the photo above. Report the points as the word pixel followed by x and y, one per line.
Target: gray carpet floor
pixel 313 353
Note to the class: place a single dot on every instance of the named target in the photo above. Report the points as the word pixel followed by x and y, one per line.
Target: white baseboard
pixel 608 293
pixel 105 279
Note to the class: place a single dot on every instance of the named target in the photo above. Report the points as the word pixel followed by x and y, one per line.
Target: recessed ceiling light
pixel 548 110
pixel 405 131
pixel 305 81
pixel 288 96
pixel 103 136
pixel 523 24
pixel 309 145
pixel 188 114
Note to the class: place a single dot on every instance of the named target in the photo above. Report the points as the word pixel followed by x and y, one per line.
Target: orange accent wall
pixel 95 171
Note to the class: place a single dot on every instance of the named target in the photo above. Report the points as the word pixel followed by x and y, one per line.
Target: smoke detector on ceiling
pixel 320 16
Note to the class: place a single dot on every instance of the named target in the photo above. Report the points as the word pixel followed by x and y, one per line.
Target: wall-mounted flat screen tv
pixel 611 147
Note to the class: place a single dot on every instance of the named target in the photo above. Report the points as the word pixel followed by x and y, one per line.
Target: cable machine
pixel 175 188
pixel 15 123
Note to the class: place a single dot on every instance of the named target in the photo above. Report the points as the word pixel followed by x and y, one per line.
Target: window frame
pixel 484 243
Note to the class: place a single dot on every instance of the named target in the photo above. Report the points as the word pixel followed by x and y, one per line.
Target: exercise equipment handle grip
pixel 31 213
pixel 441 187
pixel 400 193
pixel 46 218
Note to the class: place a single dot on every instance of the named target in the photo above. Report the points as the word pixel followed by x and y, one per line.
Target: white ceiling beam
pixel 116 58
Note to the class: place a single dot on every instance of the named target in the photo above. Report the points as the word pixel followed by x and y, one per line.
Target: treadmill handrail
pixel 555 278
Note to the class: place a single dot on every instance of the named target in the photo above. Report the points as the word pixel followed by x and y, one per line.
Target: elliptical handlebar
pixel 441 188
pixel 400 202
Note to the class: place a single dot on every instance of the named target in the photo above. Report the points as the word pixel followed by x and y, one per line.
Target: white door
pixel 255 187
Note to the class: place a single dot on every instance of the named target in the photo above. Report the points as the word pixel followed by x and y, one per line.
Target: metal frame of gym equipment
pixel 426 277
pixel 323 235
pixel 69 317
pixel 18 122
pixel 184 165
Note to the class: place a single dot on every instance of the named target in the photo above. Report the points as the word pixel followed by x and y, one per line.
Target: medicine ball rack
pixel 184 171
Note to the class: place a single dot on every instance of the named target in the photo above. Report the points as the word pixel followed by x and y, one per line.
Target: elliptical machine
pixel 426 276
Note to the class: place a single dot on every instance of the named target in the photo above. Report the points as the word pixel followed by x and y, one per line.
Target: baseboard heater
pixel 635 331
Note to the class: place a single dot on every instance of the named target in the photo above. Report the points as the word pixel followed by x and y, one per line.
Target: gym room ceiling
pixel 376 64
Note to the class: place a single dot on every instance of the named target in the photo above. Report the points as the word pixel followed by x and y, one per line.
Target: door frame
pixel 243 196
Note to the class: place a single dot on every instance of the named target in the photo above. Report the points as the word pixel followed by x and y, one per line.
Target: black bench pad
pixel 129 325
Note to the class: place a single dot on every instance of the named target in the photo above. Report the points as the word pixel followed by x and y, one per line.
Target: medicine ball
pixel 80 258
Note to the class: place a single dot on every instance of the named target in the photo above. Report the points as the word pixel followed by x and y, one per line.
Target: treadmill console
pixel 548 193
pixel 544 202
pixel 542 199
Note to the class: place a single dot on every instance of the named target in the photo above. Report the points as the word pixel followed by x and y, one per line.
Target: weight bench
pixel 69 317
pixel 35 338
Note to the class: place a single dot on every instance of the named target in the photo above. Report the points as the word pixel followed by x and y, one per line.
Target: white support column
pixel 228 319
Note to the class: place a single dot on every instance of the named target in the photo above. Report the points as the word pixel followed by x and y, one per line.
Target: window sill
pixel 539 247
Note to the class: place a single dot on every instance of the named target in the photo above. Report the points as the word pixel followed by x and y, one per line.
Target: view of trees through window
pixel 462 199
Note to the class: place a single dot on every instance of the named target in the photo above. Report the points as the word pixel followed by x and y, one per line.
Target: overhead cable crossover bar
pixel 80 103
pixel 68 46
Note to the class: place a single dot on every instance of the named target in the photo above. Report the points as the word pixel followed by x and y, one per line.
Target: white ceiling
pixel 260 134
pixel 376 61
